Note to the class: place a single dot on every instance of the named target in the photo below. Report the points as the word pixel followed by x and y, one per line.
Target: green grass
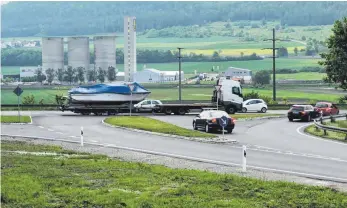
pixel 190 67
pixel 48 95
pixel 302 76
pixel 15 119
pixel 330 135
pixel 98 181
pixel 154 125
pixel 253 115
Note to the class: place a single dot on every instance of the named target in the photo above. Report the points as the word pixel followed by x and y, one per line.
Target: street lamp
pixel 131 87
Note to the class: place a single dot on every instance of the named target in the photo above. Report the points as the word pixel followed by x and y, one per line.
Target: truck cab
pixel 230 94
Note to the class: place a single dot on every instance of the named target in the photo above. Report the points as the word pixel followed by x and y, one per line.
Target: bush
pixel 29 100
pixel 251 95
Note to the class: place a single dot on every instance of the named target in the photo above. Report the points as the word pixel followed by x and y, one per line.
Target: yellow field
pixel 237 52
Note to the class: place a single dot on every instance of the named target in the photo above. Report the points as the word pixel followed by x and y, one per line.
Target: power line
pixel 273 61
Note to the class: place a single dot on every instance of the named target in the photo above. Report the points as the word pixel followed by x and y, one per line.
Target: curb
pixel 205 140
pixel 261 118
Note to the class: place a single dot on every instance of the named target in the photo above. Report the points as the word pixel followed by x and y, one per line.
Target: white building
pixel 129 48
pixel 157 76
pixel 239 73
pixel 27 72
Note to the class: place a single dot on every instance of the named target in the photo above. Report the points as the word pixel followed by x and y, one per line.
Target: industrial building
pixel 27 72
pixel 157 76
pixel 105 51
pixel 129 48
pixel 239 73
pixel 78 52
pixel 52 53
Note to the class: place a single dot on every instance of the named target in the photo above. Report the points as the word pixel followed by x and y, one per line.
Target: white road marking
pixel 191 158
pixel 313 137
pixel 50 129
pixel 41 127
pixel 93 141
pixel 59 132
pixel 73 136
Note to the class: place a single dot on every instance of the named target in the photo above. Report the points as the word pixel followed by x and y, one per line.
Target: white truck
pixel 227 94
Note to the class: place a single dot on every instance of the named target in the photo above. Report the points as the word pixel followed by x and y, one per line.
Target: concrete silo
pixel 129 48
pixel 105 52
pixel 78 52
pixel 52 53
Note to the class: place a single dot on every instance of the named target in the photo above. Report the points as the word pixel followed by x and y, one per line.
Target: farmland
pixel 189 67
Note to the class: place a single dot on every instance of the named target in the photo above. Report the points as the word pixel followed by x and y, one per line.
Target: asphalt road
pixel 276 145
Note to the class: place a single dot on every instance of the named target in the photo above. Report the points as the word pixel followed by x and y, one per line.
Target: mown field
pixel 48 95
pixel 190 67
pixel 49 176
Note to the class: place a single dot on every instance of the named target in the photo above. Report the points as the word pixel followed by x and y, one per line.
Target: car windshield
pixel 297 108
pixel 321 105
pixel 218 114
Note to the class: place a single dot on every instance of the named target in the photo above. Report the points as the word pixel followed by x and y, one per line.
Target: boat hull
pixel 113 98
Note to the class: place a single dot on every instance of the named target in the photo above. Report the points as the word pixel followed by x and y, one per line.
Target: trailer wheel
pixel 97 113
pixel 181 111
pixel 168 111
pixel 230 109
pixel 85 113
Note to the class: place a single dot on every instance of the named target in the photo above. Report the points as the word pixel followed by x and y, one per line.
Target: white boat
pixel 109 93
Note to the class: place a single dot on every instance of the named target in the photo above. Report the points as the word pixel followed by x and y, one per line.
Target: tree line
pixel 22 57
pixel 72 75
pixel 22 19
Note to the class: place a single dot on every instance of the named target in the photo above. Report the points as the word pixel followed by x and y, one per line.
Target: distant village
pixel 21 44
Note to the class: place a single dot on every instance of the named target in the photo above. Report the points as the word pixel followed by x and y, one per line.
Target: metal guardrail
pixel 319 124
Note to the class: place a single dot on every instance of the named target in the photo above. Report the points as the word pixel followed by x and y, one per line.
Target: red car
pixel 327 108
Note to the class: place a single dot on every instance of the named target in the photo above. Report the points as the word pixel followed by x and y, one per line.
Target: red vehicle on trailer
pixel 327 108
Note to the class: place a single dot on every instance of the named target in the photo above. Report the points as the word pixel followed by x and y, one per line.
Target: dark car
pixel 209 120
pixel 303 112
pixel 327 108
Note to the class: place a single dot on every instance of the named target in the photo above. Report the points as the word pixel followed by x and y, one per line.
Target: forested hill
pixel 82 18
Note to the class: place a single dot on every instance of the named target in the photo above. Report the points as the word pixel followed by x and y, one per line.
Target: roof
pixel 231 67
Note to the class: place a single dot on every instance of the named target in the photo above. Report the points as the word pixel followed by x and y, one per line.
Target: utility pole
pixel 179 75
pixel 273 62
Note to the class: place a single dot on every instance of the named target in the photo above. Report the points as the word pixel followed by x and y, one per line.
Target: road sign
pixel 217 87
pixel 18 91
pixel 223 121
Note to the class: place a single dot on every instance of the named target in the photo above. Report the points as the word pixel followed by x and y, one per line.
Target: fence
pixel 319 124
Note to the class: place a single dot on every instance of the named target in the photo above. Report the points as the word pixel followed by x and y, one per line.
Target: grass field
pixel 302 76
pixel 190 67
pixel 154 125
pixel 330 135
pixel 63 178
pixel 15 119
pixel 48 95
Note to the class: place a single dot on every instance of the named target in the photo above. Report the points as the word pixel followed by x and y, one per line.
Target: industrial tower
pixel 129 48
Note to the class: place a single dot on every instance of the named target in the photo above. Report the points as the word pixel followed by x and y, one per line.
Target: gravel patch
pixel 126 155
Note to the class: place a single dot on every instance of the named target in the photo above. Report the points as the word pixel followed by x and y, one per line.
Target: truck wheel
pixel 230 109
pixel 181 111
pixel 168 111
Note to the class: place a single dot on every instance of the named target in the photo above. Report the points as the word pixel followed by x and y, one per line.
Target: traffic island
pixel 153 126
pixel 52 176
pixel 311 129
pixel 15 119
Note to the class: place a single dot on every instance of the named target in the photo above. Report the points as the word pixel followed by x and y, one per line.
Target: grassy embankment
pixel 72 179
pixel 15 119
pixel 48 95
pixel 330 135
pixel 153 125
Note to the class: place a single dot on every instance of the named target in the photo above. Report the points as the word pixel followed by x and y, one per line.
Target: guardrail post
pixel 317 129
pixel 332 119
pixel 244 158
pixel 346 137
pixel 325 132
pixel 321 120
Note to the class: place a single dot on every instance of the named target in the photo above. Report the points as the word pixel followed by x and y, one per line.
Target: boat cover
pixel 108 88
